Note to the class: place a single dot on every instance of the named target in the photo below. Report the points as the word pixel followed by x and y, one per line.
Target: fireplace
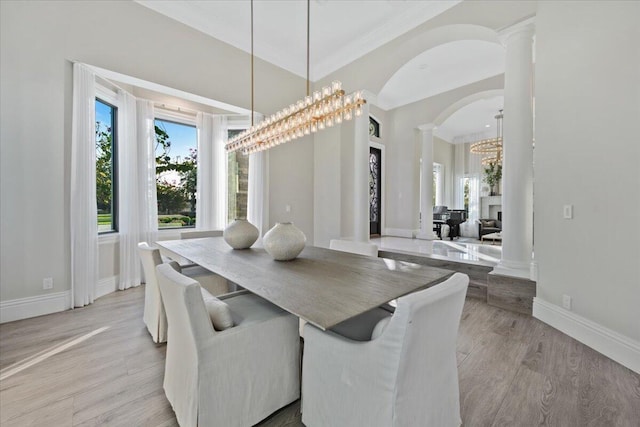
pixel 490 206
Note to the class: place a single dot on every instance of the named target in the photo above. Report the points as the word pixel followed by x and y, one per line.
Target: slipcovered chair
pixel 359 248
pixel 405 374
pixel 154 315
pixel 489 225
pixel 234 377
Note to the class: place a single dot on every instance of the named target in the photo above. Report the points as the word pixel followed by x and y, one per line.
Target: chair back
pixel 150 257
pixel 189 328
pixel 186 314
pixel 197 234
pixel 153 316
pixel 422 335
pixel 359 248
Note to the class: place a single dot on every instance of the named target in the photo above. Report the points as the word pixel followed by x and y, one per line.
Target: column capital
pixel 524 28
pixel 427 127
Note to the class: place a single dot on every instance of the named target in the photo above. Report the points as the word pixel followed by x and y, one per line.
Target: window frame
pixel 109 97
pixel 178 118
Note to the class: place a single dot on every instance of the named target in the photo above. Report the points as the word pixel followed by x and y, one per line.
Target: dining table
pixel 322 286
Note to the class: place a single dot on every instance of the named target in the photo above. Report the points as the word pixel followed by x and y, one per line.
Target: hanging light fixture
pixel 315 112
pixel 491 149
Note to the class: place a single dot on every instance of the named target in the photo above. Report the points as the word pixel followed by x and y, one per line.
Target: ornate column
pixel 517 178
pixel 426 183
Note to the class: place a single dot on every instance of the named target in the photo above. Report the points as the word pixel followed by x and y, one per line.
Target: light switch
pixel 568 212
pixel 287 208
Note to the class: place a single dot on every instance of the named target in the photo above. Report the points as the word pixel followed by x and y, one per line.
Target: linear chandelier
pixel 315 112
pixel 491 149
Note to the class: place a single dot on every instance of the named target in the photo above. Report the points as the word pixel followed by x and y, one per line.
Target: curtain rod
pixel 177 108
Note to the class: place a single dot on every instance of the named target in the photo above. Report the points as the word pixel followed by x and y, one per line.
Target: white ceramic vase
pixel 284 241
pixel 240 234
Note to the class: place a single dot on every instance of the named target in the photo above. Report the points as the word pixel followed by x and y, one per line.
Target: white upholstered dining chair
pixel 405 374
pixel 234 377
pixel 154 315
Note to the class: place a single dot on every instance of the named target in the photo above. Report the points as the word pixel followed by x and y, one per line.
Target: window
pixel 106 183
pixel 438 185
pixel 374 127
pixel 176 173
pixel 237 181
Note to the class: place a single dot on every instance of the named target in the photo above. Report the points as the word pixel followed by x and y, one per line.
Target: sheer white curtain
pixel 258 197
pixel 138 210
pixel 475 176
pixel 128 192
pixel 258 194
pixel 459 172
pixel 83 208
pixel 468 167
pixel 211 191
pixel 146 140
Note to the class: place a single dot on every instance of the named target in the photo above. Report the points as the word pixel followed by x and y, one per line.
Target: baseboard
pixel 620 348
pixel 398 232
pixel 23 308
pixel 106 286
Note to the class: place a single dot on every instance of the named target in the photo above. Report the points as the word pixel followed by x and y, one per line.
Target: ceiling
pixel 280 27
pixel 472 122
pixel 280 38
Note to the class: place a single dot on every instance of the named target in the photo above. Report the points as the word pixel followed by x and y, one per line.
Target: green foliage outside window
pixel 176 200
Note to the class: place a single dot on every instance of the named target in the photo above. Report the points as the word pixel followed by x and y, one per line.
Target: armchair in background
pixel 488 226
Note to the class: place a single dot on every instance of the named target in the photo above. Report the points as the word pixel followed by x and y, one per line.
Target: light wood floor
pixel 514 371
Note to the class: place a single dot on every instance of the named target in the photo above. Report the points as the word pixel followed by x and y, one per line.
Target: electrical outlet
pixel 566 302
pixel 47 283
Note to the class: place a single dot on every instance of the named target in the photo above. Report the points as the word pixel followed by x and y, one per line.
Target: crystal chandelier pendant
pixel 322 109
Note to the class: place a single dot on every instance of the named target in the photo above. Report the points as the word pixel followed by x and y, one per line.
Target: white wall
pixel 587 154
pixel 326 186
pixel 291 184
pixel 38 40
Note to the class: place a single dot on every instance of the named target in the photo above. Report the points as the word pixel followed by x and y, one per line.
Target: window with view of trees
pixel 106 185
pixel 176 173
pixel 237 182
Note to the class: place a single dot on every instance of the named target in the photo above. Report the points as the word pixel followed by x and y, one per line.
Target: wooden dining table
pixel 322 286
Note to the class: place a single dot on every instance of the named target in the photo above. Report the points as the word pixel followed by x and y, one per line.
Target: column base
pixel 510 292
pixel 429 235
pixel 513 269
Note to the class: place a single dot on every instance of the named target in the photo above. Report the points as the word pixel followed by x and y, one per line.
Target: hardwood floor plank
pixel 536 399
pixel 55 414
pixel 29 391
pixel 492 365
pixel 513 371
pixel 93 402
pixel 606 397
pixel 150 410
pixel 289 416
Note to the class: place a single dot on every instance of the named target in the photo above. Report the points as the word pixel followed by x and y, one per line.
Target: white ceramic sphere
pixel 284 241
pixel 240 234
